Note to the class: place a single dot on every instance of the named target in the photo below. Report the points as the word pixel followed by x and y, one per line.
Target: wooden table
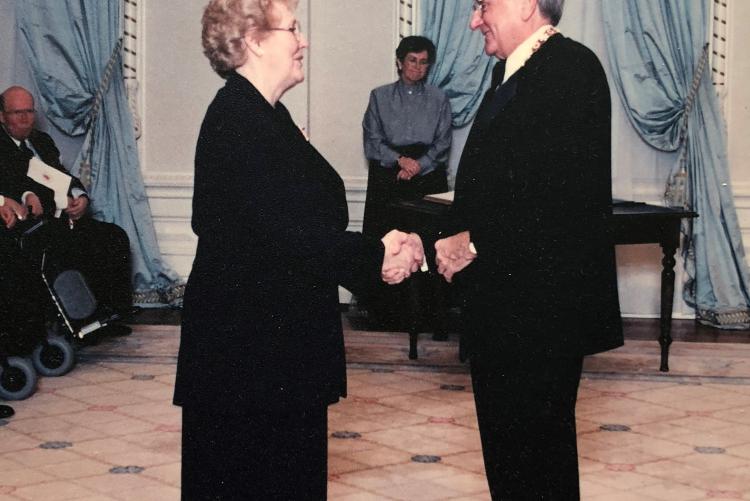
pixel 633 223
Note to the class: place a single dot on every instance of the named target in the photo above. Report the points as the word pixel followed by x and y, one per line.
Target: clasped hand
pixel 403 256
pixel 408 168
pixel 453 254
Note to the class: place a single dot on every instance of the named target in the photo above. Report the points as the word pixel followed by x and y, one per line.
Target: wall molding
pixel 178 186
pixel 170 196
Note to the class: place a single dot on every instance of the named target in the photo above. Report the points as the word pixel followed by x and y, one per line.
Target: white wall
pixel 737 108
pixel 351 52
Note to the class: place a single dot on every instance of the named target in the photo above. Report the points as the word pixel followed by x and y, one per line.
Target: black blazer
pixel 14 165
pixel 261 323
pixel 534 189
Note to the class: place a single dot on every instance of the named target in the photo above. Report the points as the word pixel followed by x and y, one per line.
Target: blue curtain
pixel 655 50
pixel 69 45
pixel 462 69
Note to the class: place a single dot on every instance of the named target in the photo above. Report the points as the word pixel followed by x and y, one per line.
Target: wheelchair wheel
pixel 18 380
pixel 55 357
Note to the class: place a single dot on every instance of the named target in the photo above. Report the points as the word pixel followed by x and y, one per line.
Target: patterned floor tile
pixel 643 435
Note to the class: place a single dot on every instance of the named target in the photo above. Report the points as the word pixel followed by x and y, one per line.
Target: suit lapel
pixel 503 96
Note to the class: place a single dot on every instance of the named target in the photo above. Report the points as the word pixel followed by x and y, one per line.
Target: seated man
pixel 99 250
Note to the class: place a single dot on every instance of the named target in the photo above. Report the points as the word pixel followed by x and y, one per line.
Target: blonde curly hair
pixel 225 24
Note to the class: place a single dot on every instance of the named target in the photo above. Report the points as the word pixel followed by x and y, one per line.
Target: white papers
pixel 441 198
pixel 57 181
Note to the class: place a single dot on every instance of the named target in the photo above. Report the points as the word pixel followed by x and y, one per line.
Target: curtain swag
pixel 658 58
pixel 73 48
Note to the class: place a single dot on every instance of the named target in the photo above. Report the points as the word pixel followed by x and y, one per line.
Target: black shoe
pixel 90 339
pixel 6 411
pixel 115 330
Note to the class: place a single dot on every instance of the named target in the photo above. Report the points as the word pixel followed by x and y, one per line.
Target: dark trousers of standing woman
pixel 526 413
pixel 254 455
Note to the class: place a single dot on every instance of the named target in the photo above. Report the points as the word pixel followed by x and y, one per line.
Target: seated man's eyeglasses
pixel 29 111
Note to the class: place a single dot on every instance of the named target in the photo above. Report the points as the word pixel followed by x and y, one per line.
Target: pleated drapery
pixel 656 51
pixel 462 69
pixel 73 49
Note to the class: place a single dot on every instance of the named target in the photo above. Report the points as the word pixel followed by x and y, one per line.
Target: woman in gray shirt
pixel 407 137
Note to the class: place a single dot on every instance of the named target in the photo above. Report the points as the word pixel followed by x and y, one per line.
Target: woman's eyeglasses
pixel 294 30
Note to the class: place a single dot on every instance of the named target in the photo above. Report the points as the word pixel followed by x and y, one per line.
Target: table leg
pixel 439 309
pixel 667 298
pixel 414 312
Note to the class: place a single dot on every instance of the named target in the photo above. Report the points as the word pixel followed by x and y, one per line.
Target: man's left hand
pixel 35 204
pixel 453 254
pixel 76 207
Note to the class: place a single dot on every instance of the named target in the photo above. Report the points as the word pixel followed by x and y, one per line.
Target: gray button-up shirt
pixel 400 115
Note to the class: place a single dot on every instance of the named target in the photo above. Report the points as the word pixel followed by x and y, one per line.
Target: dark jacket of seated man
pixel 99 250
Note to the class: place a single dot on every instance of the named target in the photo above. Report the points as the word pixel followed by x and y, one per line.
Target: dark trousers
pixel 260 455
pixel 526 413
pixel 23 299
pixel 101 252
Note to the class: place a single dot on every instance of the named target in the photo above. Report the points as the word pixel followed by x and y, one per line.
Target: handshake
pixel 404 254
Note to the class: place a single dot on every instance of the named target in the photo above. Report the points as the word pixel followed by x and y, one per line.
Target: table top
pixel 629 208
pixel 621 209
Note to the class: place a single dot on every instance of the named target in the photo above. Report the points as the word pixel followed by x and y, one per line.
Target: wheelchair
pixel 66 312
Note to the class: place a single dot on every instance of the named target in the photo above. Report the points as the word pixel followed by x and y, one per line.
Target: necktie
pixel 486 108
pixel 26 151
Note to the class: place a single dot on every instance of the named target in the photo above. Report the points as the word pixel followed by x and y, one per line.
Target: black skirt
pixel 254 455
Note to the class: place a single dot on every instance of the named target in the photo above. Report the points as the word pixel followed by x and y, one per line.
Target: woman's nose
pixel 303 43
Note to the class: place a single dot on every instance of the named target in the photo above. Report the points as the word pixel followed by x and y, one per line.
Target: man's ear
pixel 528 8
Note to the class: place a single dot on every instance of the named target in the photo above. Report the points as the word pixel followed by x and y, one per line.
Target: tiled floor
pixel 407 431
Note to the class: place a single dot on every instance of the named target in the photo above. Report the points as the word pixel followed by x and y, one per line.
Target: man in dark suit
pixel 530 245
pixel 99 250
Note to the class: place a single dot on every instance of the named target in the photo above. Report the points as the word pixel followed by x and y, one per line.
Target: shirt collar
pixel 417 88
pixel 523 52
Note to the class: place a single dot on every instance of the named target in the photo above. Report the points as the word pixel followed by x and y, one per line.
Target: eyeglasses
pixel 295 30
pixel 18 113
pixel 416 61
pixel 480 5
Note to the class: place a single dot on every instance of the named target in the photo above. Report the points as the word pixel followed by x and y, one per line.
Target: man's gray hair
pixel 551 9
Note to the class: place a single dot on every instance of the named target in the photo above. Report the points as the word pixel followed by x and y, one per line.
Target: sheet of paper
pixel 57 181
pixel 441 198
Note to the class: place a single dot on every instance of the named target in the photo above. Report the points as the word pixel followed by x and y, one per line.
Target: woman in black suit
pixel 261 354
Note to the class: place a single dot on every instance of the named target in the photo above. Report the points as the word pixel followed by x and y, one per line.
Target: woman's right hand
pixel 404 254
